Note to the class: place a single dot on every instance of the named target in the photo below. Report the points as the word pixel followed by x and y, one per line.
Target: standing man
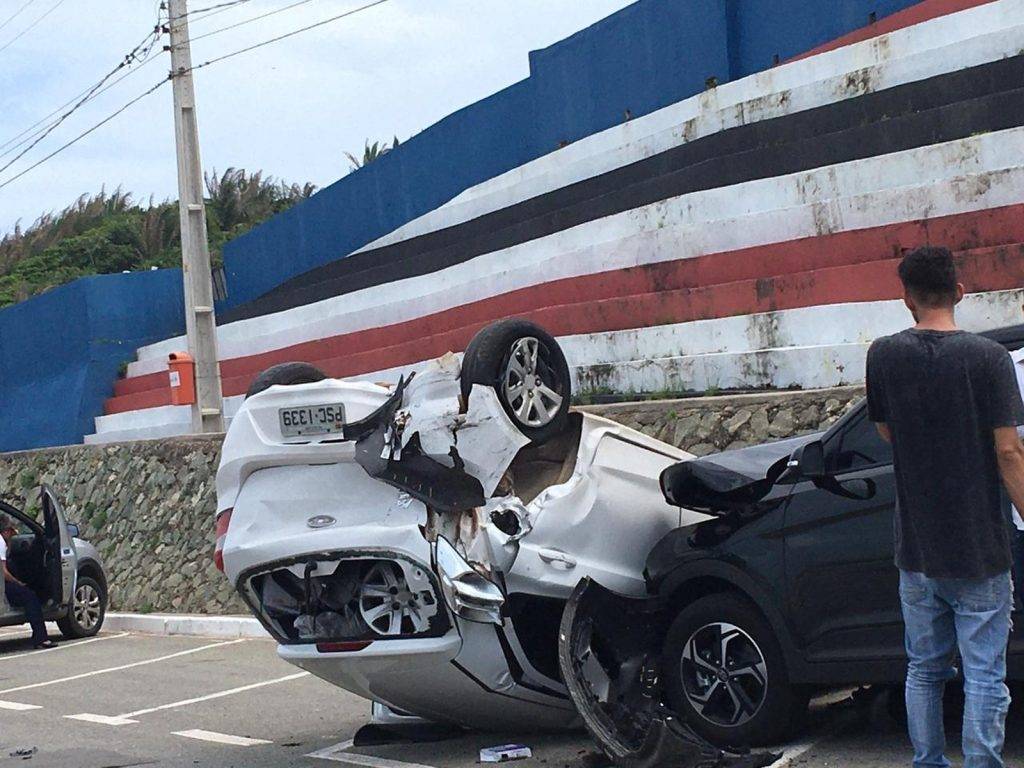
pixel 18 594
pixel 1018 512
pixel 948 402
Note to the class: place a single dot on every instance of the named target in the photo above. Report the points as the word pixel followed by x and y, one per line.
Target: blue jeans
pixel 942 615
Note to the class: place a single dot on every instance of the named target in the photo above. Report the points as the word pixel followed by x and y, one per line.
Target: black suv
pixel 791 587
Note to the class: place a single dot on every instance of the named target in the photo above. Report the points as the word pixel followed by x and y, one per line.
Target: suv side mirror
pixel 806 463
pixel 73 530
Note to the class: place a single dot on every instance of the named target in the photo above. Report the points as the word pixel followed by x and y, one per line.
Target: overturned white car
pixel 417 544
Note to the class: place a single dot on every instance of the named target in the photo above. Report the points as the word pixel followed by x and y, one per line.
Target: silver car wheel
pixel 88 607
pixel 724 674
pixel 386 601
pixel 529 384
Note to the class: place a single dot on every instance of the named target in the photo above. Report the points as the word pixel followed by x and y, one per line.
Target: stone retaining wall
pixel 148 506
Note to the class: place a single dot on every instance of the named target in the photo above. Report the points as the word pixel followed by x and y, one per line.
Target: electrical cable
pixel 141 54
pixel 15 14
pixel 84 133
pixel 248 21
pixel 210 10
pixel 10 42
pixel 281 37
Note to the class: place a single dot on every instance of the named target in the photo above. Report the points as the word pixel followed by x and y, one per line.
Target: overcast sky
pixel 291 108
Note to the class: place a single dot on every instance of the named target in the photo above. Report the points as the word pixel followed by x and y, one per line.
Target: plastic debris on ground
pixel 504 753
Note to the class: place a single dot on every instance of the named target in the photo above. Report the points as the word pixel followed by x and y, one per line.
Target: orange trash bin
pixel 183 378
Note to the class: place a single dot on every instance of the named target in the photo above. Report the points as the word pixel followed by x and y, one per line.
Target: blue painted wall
pixel 60 352
pixel 647 56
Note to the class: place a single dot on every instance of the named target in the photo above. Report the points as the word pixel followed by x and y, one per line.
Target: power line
pixel 11 42
pixel 31 133
pixel 210 10
pixel 148 43
pixel 85 133
pixel 15 15
pixel 248 21
pixel 285 35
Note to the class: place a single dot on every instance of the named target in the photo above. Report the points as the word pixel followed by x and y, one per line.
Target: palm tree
pixel 371 152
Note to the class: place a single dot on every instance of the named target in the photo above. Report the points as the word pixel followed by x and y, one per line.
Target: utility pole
pixel 200 323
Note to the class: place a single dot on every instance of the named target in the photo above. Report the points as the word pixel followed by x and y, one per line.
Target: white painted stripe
pixel 218 695
pixel 956 177
pixel 100 719
pixel 64 646
pixel 750 351
pixel 133 665
pixel 129 717
pixel 339 754
pixel 794 752
pixel 221 738
pixel 956 41
pixel 14 706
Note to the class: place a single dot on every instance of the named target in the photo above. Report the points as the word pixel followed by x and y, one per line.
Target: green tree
pixel 370 153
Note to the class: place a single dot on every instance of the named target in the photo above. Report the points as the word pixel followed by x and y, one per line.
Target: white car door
pixel 603 522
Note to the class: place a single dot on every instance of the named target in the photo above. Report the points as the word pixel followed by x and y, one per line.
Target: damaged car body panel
pixel 422 559
pixel 610 656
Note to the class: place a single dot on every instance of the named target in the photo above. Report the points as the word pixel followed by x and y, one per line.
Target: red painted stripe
pixel 961 232
pixel 915 14
pixel 984 269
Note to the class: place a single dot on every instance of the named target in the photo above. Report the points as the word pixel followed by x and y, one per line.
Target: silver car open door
pixel 60 546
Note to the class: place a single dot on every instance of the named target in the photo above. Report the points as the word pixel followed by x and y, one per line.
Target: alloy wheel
pixel 724 674
pixel 88 607
pixel 388 604
pixel 530 385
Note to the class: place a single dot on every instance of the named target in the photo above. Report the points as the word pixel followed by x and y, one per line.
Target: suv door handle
pixel 557 558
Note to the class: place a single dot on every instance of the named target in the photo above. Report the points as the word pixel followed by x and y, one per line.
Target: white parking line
pixel 221 738
pixel 64 646
pixel 128 717
pixel 119 668
pixel 795 751
pixel 339 754
pixel 17 707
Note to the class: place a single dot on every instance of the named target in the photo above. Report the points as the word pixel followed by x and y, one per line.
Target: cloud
pixel 291 108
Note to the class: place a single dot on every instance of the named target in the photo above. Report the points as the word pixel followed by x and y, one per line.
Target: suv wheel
pixel 86 612
pixel 526 368
pixel 725 673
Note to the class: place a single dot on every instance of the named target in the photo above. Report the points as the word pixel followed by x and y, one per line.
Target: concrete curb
pixel 185 624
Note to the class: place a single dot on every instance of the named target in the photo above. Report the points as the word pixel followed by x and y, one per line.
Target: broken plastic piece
pixel 504 753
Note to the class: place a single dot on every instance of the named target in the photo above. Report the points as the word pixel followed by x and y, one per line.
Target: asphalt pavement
pixel 123 699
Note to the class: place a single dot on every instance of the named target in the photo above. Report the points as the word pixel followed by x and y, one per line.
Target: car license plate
pixel 312 420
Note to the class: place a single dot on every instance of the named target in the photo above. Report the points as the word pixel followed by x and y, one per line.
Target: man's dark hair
pixel 929 276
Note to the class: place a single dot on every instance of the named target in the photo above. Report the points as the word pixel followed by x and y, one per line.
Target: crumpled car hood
pixel 731 480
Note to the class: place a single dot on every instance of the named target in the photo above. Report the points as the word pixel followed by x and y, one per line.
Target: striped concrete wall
pixel 746 237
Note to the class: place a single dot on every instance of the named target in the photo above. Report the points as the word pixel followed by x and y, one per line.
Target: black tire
pixel 778 706
pixel 287 374
pixel 490 359
pixel 82 619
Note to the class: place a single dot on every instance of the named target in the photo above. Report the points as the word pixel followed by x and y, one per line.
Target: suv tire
pixel 87 610
pixel 742 700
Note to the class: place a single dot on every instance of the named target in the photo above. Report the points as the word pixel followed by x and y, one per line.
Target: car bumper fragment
pixel 608 656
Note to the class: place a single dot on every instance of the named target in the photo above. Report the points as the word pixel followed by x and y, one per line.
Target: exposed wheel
pixel 526 368
pixel 86 612
pixel 725 674
pixel 390 605
pixel 285 373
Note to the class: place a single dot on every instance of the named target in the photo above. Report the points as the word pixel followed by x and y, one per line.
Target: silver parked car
pixel 64 571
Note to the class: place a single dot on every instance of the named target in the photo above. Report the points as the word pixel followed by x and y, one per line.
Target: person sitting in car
pixel 18 593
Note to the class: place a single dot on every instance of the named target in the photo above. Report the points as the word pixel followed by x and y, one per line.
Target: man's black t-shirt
pixel 942 393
